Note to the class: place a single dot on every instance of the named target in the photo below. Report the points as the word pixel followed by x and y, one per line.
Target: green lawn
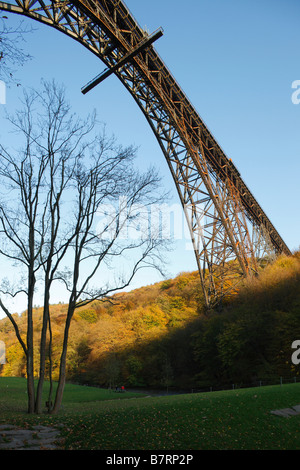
pixel 99 419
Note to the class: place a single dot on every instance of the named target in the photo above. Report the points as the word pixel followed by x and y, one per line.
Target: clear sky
pixel 235 60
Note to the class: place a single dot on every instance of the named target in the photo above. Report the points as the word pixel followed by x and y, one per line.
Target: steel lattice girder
pixel 229 229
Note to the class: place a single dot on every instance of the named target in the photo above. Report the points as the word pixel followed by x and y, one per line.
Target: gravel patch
pixel 37 438
pixel 287 412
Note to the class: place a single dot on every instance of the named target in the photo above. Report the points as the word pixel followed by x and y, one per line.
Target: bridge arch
pixel 229 230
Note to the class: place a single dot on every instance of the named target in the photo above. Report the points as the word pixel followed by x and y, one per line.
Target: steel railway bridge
pixel 230 232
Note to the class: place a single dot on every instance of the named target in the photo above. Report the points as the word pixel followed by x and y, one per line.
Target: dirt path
pixel 37 438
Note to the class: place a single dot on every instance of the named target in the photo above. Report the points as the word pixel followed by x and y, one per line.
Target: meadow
pixel 98 419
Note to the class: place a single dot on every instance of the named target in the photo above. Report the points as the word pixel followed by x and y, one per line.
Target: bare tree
pixel 18 222
pixel 12 54
pixel 54 191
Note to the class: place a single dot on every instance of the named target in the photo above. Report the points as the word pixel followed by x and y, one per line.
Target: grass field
pixel 96 419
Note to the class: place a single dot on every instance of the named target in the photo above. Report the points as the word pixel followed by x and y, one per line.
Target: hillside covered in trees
pixel 159 336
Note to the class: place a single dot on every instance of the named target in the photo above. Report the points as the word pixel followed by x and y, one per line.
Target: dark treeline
pixel 159 336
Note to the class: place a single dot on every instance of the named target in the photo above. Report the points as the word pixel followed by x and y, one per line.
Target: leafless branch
pixel 12 54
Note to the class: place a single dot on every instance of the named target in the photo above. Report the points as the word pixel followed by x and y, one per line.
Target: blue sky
pixel 235 60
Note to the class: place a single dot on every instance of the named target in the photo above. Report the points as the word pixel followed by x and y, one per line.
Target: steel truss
pixel 230 232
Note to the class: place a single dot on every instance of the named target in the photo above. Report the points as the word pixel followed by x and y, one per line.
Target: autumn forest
pixel 159 336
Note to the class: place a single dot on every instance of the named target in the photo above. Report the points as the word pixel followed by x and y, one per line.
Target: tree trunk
pixel 50 366
pixel 30 362
pixel 63 360
pixel 30 381
pixel 38 403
